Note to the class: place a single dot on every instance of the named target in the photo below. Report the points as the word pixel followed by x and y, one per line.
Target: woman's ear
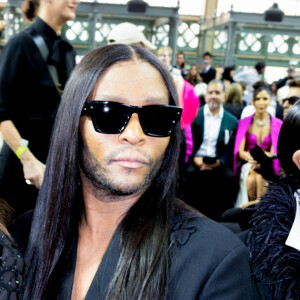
pixel 296 158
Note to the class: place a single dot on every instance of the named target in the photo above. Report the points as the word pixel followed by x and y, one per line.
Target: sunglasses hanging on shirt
pixel 112 117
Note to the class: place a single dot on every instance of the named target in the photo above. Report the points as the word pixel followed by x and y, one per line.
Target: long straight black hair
pixel 142 269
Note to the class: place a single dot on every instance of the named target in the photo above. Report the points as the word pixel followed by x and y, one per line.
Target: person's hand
pixel 209 167
pixel 198 161
pixel 249 203
pixel 202 67
pixel 248 157
pixel 33 169
pixel 206 167
pixel 254 165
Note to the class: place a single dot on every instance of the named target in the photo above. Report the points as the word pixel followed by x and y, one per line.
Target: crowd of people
pixel 127 177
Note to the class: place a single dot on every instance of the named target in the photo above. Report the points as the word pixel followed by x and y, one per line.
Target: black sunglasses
pixel 112 117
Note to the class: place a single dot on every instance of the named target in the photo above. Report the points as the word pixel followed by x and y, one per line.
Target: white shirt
pixel 212 125
pixel 206 69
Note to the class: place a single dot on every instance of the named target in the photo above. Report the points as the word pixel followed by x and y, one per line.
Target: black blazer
pixel 224 150
pixel 207 262
pixel 209 75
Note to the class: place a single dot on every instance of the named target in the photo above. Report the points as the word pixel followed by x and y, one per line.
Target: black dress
pixel 29 98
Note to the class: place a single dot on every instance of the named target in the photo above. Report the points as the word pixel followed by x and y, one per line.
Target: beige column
pixel 208 37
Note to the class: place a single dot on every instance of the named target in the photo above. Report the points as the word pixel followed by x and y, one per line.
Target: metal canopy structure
pixel 234 38
pixel 91 16
pixel 247 37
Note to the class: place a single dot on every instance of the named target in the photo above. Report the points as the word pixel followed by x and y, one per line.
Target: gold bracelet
pixel 21 149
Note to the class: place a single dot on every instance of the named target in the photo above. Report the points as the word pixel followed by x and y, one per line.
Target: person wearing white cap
pixel 128 33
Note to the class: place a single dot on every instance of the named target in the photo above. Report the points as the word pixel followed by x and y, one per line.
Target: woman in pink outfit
pixel 262 130
pixel 188 99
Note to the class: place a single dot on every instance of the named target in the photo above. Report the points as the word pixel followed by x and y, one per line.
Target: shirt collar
pixel 207 68
pixel 208 113
pixel 42 27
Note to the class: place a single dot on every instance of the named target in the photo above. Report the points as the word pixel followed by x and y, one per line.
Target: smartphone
pixel 209 160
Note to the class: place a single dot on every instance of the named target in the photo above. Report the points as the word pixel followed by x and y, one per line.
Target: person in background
pixel 287 104
pixel 233 100
pixel 258 130
pixel 273 88
pixel 193 76
pixel 181 64
pixel 210 185
pixel 207 71
pixel 2 27
pixel 128 33
pixel 188 99
pixel 250 109
pixel 294 88
pixel 195 79
pixel 227 76
pixel 249 77
pixel 291 72
pixel 289 90
pixel 274 103
pixel 273 240
pixel 30 92
pixel 107 223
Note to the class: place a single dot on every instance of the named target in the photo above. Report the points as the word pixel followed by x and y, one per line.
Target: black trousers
pixel 13 188
pixel 210 192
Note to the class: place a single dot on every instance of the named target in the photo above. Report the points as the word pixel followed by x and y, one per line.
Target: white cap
pixel 127 33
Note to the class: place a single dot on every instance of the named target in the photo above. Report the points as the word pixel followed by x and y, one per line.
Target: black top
pixel 206 262
pixel 234 109
pixel 28 95
pixel 11 270
pixel 208 75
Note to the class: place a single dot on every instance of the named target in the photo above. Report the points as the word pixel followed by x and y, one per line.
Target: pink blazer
pixel 191 105
pixel 242 131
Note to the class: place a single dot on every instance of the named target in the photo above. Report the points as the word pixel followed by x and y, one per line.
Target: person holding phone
pixel 181 64
pixel 207 71
pixel 256 134
pixel 290 75
pixel 210 186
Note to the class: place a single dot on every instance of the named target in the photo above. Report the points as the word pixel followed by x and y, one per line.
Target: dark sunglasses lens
pixel 159 120
pixel 110 118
